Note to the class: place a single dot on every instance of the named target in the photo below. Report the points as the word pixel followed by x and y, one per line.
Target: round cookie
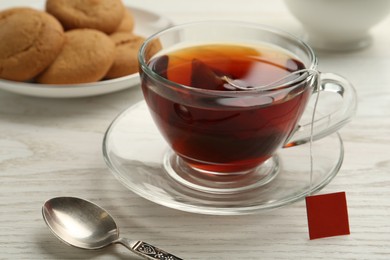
pixel 126 54
pixel 152 49
pixel 30 41
pixel 102 15
pixel 85 57
pixel 126 51
pixel 127 23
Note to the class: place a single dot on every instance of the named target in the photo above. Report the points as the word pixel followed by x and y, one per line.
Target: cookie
pixel 152 49
pixel 85 57
pixel 102 15
pixel 126 54
pixel 126 51
pixel 30 41
pixel 127 23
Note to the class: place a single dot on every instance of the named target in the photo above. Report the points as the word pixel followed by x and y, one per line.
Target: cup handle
pixel 330 123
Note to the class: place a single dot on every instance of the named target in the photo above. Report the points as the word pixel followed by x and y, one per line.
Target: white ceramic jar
pixel 338 24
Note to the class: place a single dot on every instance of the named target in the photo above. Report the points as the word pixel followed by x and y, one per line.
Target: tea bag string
pixel 273 84
pixel 317 88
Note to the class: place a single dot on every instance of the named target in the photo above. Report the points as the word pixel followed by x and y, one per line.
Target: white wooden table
pixel 53 147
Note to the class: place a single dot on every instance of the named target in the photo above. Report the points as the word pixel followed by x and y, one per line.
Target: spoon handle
pixel 147 251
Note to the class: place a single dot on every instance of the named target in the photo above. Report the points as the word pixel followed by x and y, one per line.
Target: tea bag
pixel 160 66
pixel 206 77
pixel 203 76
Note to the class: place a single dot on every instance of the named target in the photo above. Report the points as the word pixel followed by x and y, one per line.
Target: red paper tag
pixel 327 215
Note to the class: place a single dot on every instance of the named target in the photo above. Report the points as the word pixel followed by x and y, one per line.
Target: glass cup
pixel 225 141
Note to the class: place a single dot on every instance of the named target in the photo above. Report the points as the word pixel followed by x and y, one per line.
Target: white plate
pixel 147 23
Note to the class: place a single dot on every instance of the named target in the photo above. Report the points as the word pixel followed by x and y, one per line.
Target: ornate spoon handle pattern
pixel 152 252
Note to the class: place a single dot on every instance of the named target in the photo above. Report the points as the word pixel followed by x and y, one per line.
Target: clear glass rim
pixel 277 32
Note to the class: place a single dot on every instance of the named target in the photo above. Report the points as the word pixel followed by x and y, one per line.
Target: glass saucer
pixel 134 150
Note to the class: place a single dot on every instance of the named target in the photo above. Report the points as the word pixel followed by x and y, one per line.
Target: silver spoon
pixel 83 224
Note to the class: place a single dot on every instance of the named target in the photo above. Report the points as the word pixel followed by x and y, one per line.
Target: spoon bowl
pixel 83 224
pixel 80 223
